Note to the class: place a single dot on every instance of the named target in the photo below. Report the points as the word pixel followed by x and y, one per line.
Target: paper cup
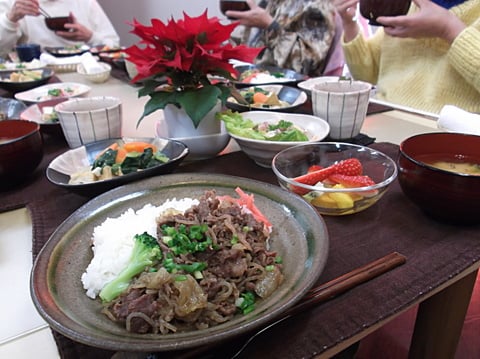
pixel 90 119
pixel 343 105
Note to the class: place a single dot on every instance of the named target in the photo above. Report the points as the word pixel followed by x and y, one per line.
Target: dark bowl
pixel 283 76
pixel 58 23
pixel 234 5
pixel 14 87
pixel 59 170
pixel 21 150
pixel 371 9
pixel 11 109
pixel 444 195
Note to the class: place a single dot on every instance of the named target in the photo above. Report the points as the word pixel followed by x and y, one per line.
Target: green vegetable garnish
pixel 146 252
pixel 281 131
pixel 246 302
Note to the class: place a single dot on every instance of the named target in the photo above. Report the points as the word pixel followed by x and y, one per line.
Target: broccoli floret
pixel 146 252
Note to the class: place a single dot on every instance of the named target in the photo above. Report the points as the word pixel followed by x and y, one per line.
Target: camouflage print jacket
pixel 302 38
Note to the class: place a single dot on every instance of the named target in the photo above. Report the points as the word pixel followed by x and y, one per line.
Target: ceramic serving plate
pixel 267 75
pixel 103 48
pixel 19 86
pixel 292 98
pixel 66 51
pixel 40 94
pixel 299 236
pixel 59 170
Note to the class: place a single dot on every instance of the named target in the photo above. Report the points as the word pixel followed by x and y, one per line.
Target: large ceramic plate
pixel 278 75
pixel 60 169
pixel 299 236
pixel 66 51
pixel 18 86
pixel 40 94
pixel 293 98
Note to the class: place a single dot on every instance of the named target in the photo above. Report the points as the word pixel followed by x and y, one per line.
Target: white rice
pixel 113 241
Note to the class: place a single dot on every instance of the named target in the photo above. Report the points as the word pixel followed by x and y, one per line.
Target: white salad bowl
pixel 263 151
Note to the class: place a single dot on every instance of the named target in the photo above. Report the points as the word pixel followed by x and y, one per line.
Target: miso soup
pixel 458 164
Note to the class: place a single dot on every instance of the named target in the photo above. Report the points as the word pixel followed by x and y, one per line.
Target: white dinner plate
pixel 40 94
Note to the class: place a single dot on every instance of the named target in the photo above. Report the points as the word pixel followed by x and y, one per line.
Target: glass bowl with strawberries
pixel 337 178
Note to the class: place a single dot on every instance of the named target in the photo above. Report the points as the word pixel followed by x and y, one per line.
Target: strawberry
pixel 354 182
pixel 351 181
pixel 314 168
pixel 350 166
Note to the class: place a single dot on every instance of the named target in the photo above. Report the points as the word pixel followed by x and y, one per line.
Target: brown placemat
pixel 435 251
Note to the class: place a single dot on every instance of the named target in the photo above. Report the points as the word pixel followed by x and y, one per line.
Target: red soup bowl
pixel 440 173
pixel 21 150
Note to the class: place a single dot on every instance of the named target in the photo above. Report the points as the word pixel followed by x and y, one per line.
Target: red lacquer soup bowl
pixel 440 173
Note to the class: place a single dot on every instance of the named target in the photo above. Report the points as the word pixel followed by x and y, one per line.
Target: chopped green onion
pixel 246 302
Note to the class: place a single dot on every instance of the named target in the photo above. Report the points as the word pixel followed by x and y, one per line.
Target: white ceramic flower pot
pixel 176 123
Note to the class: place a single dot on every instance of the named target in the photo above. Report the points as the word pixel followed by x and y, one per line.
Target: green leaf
pixel 158 100
pixel 196 103
pixel 199 102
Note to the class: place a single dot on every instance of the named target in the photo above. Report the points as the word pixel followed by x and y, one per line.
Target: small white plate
pixel 40 94
pixel 32 65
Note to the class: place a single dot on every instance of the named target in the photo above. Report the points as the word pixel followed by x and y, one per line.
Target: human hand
pixel 75 31
pixel 255 17
pixel 430 20
pixel 347 9
pixel 21 8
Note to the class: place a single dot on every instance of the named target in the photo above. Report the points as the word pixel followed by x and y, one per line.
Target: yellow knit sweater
pixel 427 73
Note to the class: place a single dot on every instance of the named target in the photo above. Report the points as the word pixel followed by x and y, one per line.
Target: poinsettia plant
pixel 192 55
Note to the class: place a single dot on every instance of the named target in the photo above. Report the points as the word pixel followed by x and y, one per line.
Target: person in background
pixel 297 34
pixel 22 22
pixel 425 60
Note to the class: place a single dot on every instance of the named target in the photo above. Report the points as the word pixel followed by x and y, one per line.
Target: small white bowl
pixel 97 77
pixel 90 119
pixel 262 152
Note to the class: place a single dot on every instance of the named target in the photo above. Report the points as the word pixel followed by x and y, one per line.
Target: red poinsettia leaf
pixel 191 53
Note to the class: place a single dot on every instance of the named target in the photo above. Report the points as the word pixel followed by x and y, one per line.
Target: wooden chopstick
pixel 44 13
pixel 347 281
